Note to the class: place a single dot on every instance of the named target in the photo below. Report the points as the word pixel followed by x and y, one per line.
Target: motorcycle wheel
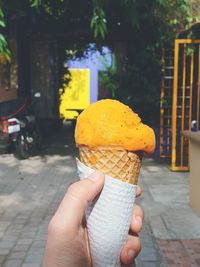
pixel 22 149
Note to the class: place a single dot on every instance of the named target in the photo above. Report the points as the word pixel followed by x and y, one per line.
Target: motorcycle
pixel 22 130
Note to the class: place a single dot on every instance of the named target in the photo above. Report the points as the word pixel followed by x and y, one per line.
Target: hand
pixel 67 243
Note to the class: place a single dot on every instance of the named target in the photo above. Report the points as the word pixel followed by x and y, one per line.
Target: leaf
pixel 1 13
pixel 35 3
pixel 162 2
pixel 101 12
pixel 2 23
pixel 104 27
pixel 93 22
pixel 101 31
pixel 96 32
pixel 2 39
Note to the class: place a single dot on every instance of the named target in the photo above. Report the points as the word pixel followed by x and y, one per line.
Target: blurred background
pixel 59 56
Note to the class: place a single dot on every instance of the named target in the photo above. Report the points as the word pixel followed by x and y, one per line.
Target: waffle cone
pixel 114 161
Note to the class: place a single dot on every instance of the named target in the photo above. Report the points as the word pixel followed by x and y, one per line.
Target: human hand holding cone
pixel 108 140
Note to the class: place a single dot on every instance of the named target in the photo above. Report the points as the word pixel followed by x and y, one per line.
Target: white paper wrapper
pixel 108 219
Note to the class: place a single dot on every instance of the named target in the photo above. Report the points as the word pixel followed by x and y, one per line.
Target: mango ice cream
pixel 111 138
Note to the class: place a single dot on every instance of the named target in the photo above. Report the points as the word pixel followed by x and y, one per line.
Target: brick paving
pixel 184 253
pixel 31 190
pixel 174 225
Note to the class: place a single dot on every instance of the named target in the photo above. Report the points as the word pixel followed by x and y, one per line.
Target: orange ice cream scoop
pixel 109 122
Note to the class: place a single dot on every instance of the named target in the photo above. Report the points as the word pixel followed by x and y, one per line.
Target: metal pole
pixel 161 106
pixel 183 103
pixel 174 104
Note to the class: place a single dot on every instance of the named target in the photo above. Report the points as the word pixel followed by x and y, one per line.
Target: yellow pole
pixel 183 103
pixel 161 105
pixel 191 95
pixel 169 114
pixel 174 103
pixel 191 86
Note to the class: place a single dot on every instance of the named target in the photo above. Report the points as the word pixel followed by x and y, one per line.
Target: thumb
pixel 85 191
pixel 77 198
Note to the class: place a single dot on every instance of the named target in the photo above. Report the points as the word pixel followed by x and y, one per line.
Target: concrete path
pixel 31 190
pixel 172 224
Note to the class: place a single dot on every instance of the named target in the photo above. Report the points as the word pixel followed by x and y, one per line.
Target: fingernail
pixel 131 253
pixel 95 175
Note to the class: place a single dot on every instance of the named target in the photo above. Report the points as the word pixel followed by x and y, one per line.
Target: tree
pixel 142 27
pixel 102 16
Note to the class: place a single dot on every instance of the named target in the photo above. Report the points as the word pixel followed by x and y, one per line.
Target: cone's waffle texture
pixel 113 161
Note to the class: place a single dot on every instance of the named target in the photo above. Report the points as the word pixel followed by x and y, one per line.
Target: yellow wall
pixel 76 94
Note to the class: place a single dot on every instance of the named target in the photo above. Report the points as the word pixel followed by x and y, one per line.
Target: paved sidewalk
pixel 30 191
pixel 174 227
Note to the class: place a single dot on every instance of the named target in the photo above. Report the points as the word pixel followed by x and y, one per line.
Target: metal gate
pixel 180 103
pixel 186 97
pixel 166 102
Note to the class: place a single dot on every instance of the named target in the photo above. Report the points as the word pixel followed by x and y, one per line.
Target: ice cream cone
pixel 114 161
pixel 111 138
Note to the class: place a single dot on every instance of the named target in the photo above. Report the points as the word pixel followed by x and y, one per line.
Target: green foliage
pixel 54 9
pixel 176 16
pixel 144 26
pixel 35 3
pixel 2 22
pixel 4 51
pixel 102 16
pixel 98 23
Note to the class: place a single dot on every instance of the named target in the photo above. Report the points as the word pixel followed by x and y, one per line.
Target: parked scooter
pixel 22 130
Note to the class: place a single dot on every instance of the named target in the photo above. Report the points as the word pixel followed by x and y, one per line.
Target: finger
pixel 130 250
pixel 75 201
pixel 137 219
pixel 138 191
